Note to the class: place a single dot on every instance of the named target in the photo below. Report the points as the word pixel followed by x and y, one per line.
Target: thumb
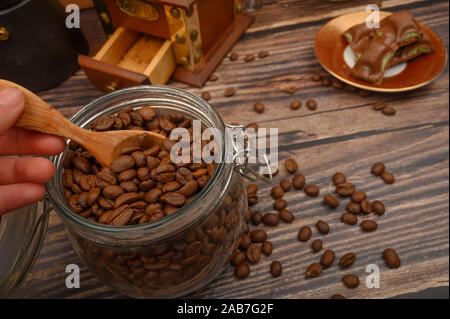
pixel 11 107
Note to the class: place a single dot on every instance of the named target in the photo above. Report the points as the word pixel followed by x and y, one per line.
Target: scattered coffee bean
pixel 378 105
pixel 258 107
pixel 388 110
pixel 291 165
pixel 369 225
pixel 245 242
pixel 234 56
pixel 312 190
pixel 252 200
pixel 249 58
pixel 279 204
pixel 258 236
pixel 378 168
pixel 304 234
pixel 275 268
pixel 351 88
pixel 206 96
pixel 358 197
pixel 338 178
pixel 253 126
pixel 378 207
pixel 313 270
pixel 316 245
pixel 363 93
pixel 229 92
pixel 327 258
pixel 286 185
pixel 337 296
pixel 256 218
pixel 388 177
pixel 298 181
pixel 238 258
pixel 366 207
pixel 353 208
pixel 277 192
pixel 316 77
pixel 290 90
pixel 295 105
pixel 349 219
pixel 242 271
pixel 213 78
pixel 391 258
pixel 326 81
pixel 263 54
pixel 311 104
pixel 337 85
pixel 347 260
pixel 270 219
pixel 331 200
pixel 286 216
pixel 345 189
pixel 267 248
pixel 252 189
pixel 351 281
pixel 253 254
pixel 323 227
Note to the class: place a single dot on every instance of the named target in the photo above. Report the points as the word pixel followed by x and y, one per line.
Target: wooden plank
pixel 83 4
pixel 343 134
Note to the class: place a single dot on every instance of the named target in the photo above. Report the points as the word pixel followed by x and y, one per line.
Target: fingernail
pixel 11 98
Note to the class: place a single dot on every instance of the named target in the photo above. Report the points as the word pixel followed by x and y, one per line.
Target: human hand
pixel 22 178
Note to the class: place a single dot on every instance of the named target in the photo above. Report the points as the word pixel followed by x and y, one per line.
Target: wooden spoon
pixel 104 146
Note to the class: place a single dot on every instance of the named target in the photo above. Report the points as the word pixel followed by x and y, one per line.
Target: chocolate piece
pixel 412 51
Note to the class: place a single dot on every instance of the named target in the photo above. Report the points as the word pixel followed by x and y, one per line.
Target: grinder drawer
pixel 130 58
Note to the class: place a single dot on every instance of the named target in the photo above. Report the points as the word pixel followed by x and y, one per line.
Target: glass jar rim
pixel 61 205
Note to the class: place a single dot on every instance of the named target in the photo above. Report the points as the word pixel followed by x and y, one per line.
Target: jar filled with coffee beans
pixel 146 226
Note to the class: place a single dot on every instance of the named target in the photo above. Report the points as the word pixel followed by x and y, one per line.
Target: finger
pixel 11 107
pixel 18 141
pixel 14 170
pixel 19 195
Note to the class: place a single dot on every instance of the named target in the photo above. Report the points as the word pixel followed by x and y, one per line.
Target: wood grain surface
pixel 344 134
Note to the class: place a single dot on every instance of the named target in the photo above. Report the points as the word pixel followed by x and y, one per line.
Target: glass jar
pixel 179 253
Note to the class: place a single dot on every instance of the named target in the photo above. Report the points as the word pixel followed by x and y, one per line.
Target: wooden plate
pixel 330 45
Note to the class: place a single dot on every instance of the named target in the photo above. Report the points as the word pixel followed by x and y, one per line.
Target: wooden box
pixel 153 40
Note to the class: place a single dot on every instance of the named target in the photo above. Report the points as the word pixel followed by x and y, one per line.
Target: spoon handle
pixel 40 116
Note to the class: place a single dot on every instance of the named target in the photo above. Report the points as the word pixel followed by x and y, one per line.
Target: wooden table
pixel 344 134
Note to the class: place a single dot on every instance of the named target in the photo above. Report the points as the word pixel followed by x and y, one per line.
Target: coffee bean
pixel 388 110
pixel 348 218
pixel 229 92
pixel 263 54
pixel 388 177
pixel 312 190
pixel 245 242
pixel 279 204
pixel 213 78
pixel 234 56
pixel 267 248
pixel 331 200
pixel 304 233
pixel 347 260
pixel 313 270
pixel 253 126
pixel 249 58
pixel 298 181
pixel 338 178
pixel 369 225
pixel 337 85
pixel 252 200
pixel 391 258
pixel 316 245
pixel 277 192
pixel 326 81
pixel 316 77
pixel 122 163
pixel 252 189
pixel 378 168
pixel 327 258
pixel 82 164
pixel 351 88
pixel 358 197
pixel 337 296
pixel 323 227
pixel 242 271
pixel 351 281
pixel 366 207
pixel 286 185
pixel 258 107
pixel 290 90
pixel 353 208
pixel 253 254
pixel 345 189
pixel 291 165
pixel 206 96
pixel 378 207
pixel 258 236
pixel 363 93
pixel 295 105
pixel 275 268
pixel 311 104
pixel 378 105
pixel 270 219
pixel 256 218
pixel 286 216
pixel 112 191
